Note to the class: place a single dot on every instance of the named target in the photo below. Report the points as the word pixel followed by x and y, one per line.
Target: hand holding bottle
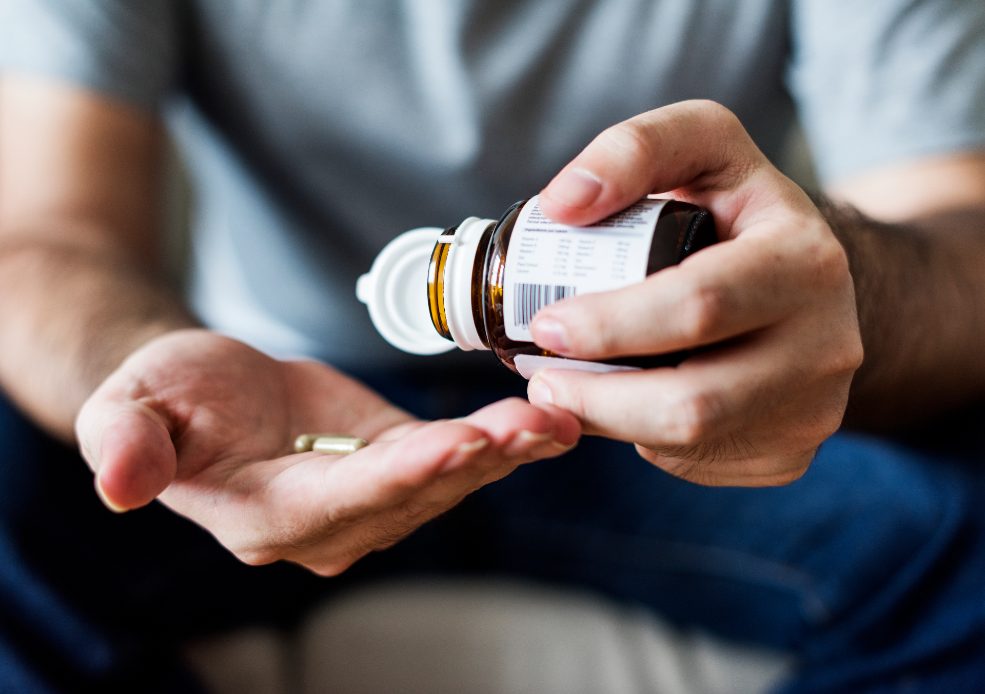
pixel 772 306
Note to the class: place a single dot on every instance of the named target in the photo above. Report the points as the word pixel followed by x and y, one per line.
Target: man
pixel 314 132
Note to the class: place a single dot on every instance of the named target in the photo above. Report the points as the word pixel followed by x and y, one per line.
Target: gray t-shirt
pixel 316 131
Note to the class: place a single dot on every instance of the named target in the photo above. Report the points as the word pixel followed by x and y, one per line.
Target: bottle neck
pixel 452 284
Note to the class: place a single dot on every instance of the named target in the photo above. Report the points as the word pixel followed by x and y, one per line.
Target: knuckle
pixel 849 357
pixel 693 418
pixel 826 260
pixel 720 120
pixel 596 337
pixel 573 400
pixel 629 140
pixel 703 312
pixel 257 556
pixel 331 568
pixel 826 426
pixel 856 354
pixel 717 113
pixel 842 357
pixel 739 155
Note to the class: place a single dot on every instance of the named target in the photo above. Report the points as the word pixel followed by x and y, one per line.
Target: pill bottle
pixel 477 285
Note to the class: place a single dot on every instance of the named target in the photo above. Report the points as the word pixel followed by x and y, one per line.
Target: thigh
pixel 870 568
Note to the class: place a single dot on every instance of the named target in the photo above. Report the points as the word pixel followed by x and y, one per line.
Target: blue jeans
pixel 870 569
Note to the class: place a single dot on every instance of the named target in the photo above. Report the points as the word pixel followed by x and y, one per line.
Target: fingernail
pixel 575 187
pixel 465 452
pixel 524 441
pixel 105 499
pixel 550 334
pixel 538 392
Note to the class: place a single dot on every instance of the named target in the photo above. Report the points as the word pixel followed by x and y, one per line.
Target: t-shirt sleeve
pixel 127 49
pixel 883 81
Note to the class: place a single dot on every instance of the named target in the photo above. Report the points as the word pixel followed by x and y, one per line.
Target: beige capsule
pixel 334 444
pixel 338 445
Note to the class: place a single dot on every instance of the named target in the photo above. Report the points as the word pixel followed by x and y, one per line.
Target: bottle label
pixel 547 261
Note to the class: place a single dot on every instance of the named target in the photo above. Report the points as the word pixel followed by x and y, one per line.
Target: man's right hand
pixel 206 423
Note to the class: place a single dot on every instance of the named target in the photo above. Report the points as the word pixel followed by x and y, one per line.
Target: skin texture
pixel 97 348
pixel 785 305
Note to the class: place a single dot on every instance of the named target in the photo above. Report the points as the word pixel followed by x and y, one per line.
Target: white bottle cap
pixel 395 290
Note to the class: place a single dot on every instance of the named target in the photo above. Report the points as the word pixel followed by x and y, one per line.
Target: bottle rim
pixel 458 279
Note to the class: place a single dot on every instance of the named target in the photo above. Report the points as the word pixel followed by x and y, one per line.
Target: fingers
pixel 735 414
pixel 773 307
pixel 503 434
pixel 660 407
pixel 513 424
pixel 404 505
pixel 724 291
pixel 383 475
pixel 696 143
pixel 276 509
pixel 326 511
pixel 129 447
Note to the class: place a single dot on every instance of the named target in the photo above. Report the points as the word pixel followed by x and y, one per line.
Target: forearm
pixel 920 290
pixel 71 313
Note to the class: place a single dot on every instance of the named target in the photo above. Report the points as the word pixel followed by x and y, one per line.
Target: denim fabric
pixel 870 569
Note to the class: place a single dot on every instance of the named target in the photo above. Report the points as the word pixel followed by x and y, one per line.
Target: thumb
pixel 128 446
pixel 696 144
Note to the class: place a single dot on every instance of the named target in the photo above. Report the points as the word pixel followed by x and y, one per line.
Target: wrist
pixel 916 316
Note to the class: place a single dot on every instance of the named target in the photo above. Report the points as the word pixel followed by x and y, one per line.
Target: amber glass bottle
pixel 482 297
pixel 477 285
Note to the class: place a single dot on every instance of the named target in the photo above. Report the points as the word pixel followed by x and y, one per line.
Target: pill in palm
pixel 335 444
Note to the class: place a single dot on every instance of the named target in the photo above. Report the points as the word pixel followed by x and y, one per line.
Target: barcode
pixel 530 298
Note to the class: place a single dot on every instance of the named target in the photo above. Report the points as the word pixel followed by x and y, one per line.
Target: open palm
pixel 205 423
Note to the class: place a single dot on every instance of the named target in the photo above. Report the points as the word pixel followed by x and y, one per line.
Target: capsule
pixel 329 444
